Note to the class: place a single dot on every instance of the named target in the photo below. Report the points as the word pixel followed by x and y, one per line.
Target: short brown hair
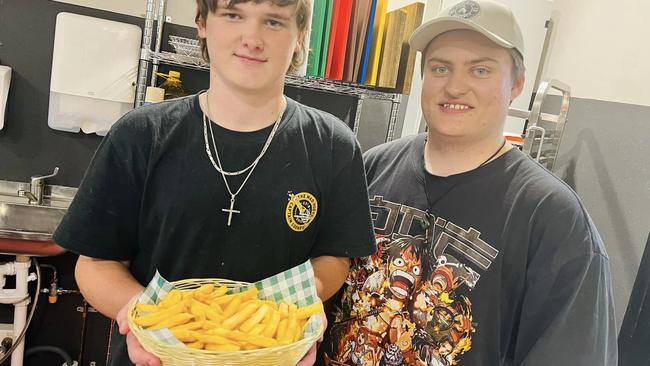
pixel 303 14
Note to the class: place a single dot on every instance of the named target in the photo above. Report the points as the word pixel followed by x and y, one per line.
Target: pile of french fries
pixel 207 318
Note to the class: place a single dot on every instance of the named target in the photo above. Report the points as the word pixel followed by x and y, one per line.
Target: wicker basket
pixel 183 356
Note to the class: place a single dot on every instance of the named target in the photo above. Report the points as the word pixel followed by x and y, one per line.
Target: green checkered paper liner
pixel 296 285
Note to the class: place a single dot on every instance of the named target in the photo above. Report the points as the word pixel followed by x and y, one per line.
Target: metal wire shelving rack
pixel 186 57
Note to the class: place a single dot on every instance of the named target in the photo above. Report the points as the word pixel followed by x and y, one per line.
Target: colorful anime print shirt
pixel 410 303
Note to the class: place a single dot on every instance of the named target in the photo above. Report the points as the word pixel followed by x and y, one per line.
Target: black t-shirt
pixel 151 196
pixel 515 272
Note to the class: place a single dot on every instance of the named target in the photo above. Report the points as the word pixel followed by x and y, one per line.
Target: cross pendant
pixel 231 210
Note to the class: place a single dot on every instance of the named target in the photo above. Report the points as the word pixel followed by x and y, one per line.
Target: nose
pixel 456 85
pixel 252 37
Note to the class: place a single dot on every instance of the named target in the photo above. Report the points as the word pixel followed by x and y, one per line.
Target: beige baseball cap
pixel 490 18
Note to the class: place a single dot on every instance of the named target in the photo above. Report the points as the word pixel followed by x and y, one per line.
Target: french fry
pixel 262 341
pixel 300 329
pixel 272 304
pixel 218 292
pixel 173 297
pixel 282 329
pixel 156 317
pixel 257 330
pixel 221 332
pixel 237 336
pixel 146 308
pixel 251 293
pixel 216 307
pixel 208 318
pixel 213 315
pixel 307 311
pixel 189 326
pixel 239 317
pixel 201 297
pixel 197 309
pixel 223 300
pixel 213 339
pixel 284 309
pixel 206 289
pixel 250 347
pixel 268 315
pixel 231 309
pixel 203 311
pixel 185 336
pixel 272 326
pixel 255 319
pixel 195 345
pixel 287 335
pixel 173 321
pixel 210 324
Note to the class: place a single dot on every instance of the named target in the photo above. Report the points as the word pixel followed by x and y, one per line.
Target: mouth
pixel 401 283
pixel 455 107
pixel 250 59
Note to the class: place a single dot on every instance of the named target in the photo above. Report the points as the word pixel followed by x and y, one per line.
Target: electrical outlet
pixel 6 330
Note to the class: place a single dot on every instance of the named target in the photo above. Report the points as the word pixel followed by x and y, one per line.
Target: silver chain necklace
pixel 219 167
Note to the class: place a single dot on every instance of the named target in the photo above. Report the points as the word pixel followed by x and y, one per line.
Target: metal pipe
pixel 84 318
pixel 145 55
pixel 160 21
pixel 18 341
pixel 20 309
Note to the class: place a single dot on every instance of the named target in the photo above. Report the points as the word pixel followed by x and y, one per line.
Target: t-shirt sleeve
pixel 567 315
pixel 102 220
pixel 346 228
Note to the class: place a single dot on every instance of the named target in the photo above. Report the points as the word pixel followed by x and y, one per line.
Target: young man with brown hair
pixel 238 182
pixel 504 265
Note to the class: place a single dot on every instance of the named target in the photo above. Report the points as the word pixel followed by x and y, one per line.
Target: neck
pixel 444 158
pixel 241 110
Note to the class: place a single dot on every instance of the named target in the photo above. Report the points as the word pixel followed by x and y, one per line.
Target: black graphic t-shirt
pixel 506 269
pixel 152 197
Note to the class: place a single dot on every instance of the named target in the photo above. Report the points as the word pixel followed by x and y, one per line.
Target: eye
pixel 231 16
pixel 416 270
pixel 481 71
pixel 399 262
pixel 442 70
pixel 274 23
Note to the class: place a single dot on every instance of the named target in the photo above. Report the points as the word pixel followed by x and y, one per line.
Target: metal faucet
pixel 37 183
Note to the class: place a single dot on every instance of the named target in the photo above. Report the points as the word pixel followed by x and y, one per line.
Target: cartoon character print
pixel 400 307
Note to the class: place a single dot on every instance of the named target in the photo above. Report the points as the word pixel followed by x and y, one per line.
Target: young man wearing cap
pixel 484 257
pixel 238 182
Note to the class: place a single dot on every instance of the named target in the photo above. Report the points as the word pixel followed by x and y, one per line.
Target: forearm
pixel 330 273
pixel 106 285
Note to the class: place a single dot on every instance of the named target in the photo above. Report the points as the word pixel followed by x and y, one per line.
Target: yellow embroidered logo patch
pixel 301 210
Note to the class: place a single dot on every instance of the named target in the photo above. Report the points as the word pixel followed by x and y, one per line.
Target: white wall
pixel 532 16
pixel 181 11
pixel 601 49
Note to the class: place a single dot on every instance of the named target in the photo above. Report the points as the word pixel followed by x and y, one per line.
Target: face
pixel 251 45
pixel 404 271
pixel 467 86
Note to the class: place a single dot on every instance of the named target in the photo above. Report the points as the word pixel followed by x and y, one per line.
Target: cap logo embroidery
pixel 466 9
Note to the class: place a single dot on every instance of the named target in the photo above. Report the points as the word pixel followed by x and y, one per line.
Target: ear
pixel 517 87
pixel 200 25
pixel 300 43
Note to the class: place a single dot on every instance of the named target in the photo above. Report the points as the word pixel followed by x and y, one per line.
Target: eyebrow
pixel 271 14
pixel 278 16
pixel 472 62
